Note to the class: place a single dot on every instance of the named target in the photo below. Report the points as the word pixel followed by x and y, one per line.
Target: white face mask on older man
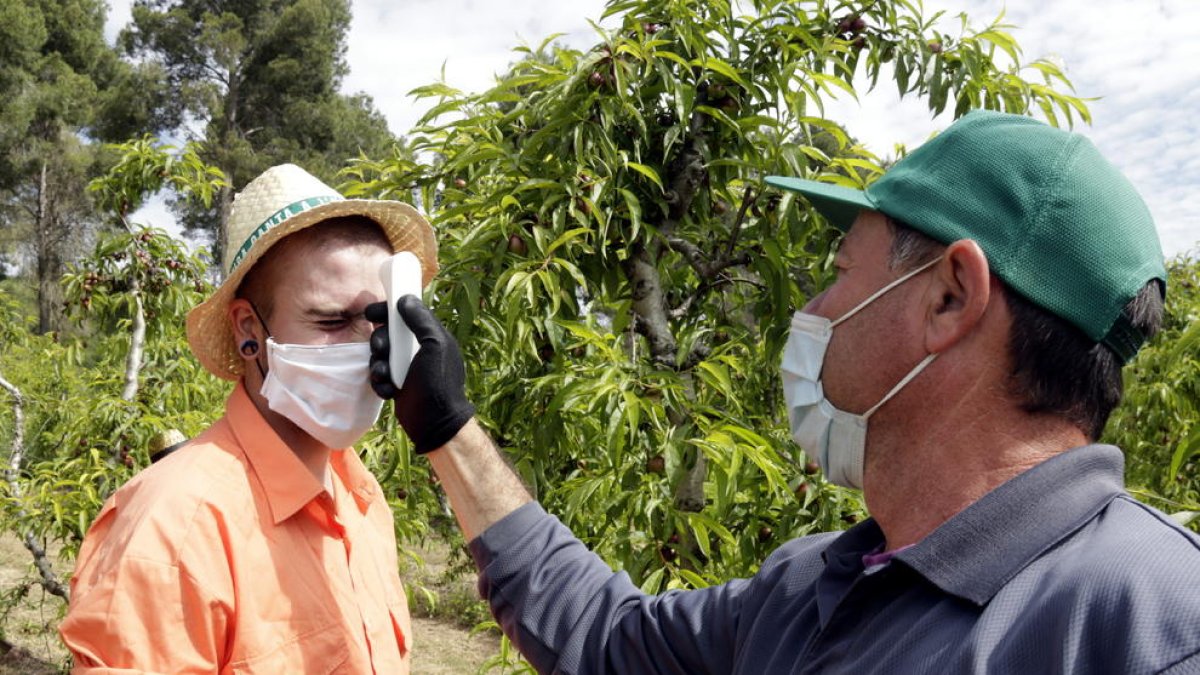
pixel 323 389
pixel 835 439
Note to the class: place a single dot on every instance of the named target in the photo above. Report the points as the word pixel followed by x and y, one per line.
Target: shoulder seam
pixel 1180 662
pixel 1161 517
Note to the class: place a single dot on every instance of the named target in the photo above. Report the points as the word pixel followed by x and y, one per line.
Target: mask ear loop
pixel 900 385
pixel 871 298
pixel 258 316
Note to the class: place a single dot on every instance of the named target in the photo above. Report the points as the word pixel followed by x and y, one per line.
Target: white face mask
pixel 323 389
pixel 836 439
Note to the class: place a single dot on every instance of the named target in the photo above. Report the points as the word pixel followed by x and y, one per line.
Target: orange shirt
pixel 228 556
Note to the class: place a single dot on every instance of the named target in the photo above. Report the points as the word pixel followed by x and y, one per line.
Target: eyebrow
pixel 322 313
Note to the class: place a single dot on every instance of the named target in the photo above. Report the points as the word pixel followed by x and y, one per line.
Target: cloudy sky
pixel 1139 58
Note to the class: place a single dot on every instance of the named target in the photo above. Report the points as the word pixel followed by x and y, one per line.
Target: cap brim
pixel 840 205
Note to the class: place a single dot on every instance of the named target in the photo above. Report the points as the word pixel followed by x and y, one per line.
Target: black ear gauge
pixel 249 348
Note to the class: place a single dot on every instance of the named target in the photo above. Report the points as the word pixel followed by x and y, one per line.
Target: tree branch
pixel 12 474
pixel 705 269
pixel 682 310
pixel 690 251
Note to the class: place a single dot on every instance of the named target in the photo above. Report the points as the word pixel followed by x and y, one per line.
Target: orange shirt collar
pixel 285 480
pixel 287 483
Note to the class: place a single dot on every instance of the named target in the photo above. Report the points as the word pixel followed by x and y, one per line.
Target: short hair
pixel 259 283
pixel 1054 367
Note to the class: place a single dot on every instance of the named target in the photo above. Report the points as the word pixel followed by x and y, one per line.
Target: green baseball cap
pixel 1057 222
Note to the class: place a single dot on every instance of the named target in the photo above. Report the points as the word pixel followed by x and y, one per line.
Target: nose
pixel 813 306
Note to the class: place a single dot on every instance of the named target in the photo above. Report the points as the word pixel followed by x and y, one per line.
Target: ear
pixel 245 325
pixel 958 295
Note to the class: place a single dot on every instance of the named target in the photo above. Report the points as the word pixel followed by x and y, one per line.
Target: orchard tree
pixel 621 281
pixel 137 264
pixel 1158 424
pixel 262 77
pixel 85 408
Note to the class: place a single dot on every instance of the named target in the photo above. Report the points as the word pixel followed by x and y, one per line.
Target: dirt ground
pixel 30 643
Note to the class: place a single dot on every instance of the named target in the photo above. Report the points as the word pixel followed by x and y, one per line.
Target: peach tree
pixel 1158 424
pixel 83 405
pixel 619 277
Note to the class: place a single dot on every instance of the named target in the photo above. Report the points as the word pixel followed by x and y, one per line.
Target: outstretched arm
pixel 482 488
pixel 562 606
pixel 432 407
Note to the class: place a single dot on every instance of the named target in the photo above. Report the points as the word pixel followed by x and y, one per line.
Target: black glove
pixel 432 405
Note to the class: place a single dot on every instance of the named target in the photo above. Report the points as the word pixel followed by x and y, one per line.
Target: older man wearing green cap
pixel 960 370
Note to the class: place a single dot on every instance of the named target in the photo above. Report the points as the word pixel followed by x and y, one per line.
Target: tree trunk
pixel 49 580
pixel 227 135
pixel 650 307
pixel 46 283
pixel 221 238
pixel 133 360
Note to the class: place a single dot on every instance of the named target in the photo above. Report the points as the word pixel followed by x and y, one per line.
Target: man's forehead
pixel 333 279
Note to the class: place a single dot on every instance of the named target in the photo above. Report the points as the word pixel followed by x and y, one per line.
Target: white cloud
pixel 1138 56
pixel 396 47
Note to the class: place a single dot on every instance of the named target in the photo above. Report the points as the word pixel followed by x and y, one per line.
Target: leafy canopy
pixel 622 282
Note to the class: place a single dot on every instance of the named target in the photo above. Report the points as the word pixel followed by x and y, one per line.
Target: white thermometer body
pixel 401 275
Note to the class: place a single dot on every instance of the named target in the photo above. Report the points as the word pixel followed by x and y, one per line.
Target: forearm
pixel 480 484
pixel 568 612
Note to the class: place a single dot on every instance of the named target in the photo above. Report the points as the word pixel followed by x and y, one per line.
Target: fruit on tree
pixel 656 464
pixel 517 245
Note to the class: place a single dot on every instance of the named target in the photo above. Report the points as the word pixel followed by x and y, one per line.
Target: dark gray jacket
pixel 1057 571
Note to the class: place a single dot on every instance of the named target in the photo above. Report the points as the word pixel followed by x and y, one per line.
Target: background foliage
pixel 618 277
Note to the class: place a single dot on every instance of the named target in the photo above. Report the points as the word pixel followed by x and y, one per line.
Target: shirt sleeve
pixel 132 614
pixel 568 612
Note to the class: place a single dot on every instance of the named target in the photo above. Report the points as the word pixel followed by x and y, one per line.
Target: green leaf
pixel 1186 448
pixel 718 66
pixel 635 211
pixel 695 580
pixel 566 237
pixel 653 582
pixel 646 171
pixel 1185 517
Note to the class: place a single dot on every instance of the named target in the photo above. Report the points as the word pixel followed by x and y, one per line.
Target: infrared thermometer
pixel 401 275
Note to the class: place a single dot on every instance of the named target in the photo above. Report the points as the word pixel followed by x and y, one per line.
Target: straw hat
pixel 283 200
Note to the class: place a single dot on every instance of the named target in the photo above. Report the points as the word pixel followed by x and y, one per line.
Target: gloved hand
pixel 432 405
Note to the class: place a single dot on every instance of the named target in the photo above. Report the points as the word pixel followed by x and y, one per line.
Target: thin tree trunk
pixel 49 580
pixel 42 239
pixel 221 240
pixel 650 307
pixel 687 175
pixel 133 360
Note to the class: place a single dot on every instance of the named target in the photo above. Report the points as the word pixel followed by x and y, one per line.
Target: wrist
pixel 437 434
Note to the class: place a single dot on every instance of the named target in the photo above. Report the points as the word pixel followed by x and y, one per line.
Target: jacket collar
pixel 974 553
pixel 980 549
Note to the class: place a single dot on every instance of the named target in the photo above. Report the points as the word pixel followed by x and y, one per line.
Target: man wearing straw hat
pixel 990 287
pixel 264 545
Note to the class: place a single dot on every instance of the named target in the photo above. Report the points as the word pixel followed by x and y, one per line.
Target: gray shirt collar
pixel 981 548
